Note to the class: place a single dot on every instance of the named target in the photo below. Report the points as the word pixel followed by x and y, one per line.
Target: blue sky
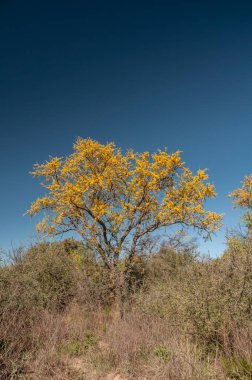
pixel 142 74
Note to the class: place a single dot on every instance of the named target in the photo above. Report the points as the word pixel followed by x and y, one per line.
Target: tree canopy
pixel 114 200
pixel 243 198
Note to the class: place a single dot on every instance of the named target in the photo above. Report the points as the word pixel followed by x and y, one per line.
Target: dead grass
pixel 77 345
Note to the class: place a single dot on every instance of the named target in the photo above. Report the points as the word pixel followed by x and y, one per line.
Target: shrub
pixel 237 368
pixel 163 353
pixel 218 296
pixel 78 347
pixel 43 279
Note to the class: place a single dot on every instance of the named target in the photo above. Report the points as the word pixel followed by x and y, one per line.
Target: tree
pixel 115 200
pixel 243 198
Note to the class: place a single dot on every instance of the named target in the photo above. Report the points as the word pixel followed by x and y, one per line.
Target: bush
pixel 163 292
pixel 219 296
pixel 209 300
pixel 238 368
pixel 41 280
pixel 44 278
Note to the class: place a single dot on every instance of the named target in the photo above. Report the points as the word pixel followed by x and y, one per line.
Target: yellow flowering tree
pixel 243 198
pixel 115 200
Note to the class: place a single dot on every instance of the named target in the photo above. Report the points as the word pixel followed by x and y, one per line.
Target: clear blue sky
pixel 144 74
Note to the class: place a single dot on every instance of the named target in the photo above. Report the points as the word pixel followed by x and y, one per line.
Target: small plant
pixel 163 353
pixel 78 347
pixel 89 340
pixel 73 348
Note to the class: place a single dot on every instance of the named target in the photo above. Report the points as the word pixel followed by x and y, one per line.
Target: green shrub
pixel 210 300
pixel 78 347
pixel 219 296
pixel 43 279
pixel 237 368
pixel 163 353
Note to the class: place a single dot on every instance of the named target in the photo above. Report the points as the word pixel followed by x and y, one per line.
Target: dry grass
pixel 78 345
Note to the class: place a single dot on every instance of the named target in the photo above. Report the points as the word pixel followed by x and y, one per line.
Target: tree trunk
pixel 117 287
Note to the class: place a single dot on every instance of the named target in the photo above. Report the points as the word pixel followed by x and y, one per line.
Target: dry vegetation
pixel 184 317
